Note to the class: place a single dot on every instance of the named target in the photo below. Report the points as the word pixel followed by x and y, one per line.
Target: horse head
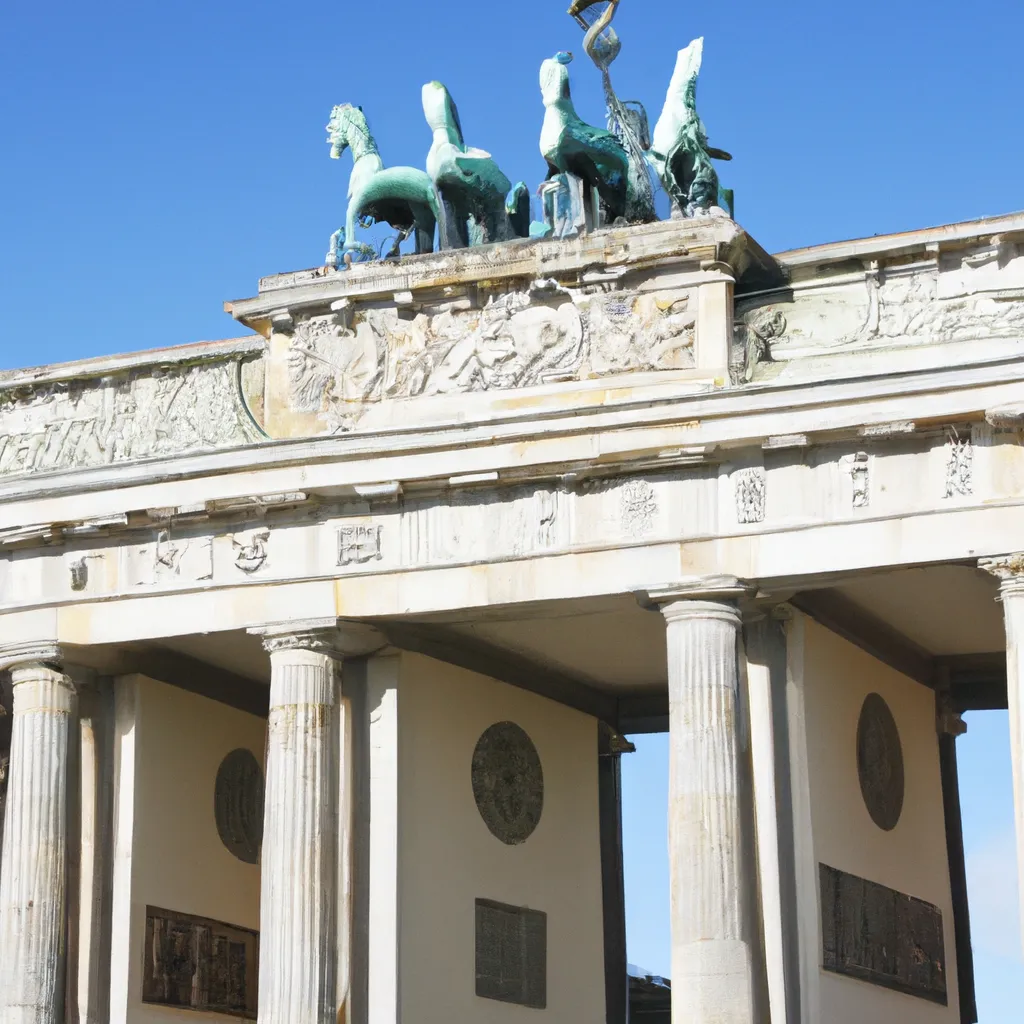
pixel 345 119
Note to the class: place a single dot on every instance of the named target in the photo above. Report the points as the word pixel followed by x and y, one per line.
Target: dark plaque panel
pixel 238 804
pixel 194 963
pixel 880 762
pixel 508 782
pixel 877 934
pixel 511 954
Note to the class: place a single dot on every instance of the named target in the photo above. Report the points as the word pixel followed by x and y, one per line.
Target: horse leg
pixel 451 226
pixel 425 222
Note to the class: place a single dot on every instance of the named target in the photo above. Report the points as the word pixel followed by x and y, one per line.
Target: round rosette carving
pixel 880 762
pixel 508 782
pixel 238 804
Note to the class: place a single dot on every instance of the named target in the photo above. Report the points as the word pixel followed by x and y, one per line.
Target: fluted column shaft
pixel 298 908
pixel 712 969
pixel 1010 572
pixel 32 881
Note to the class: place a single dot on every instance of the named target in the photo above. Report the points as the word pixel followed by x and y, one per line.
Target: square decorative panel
pixel 193 963
pixel 882 936
pixel 511 954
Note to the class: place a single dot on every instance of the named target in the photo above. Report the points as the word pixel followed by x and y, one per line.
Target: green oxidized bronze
pixel 403 197
pixel 570 145
pixel 626 119
pixel 679 152
pixel 478 202
pixel 465 193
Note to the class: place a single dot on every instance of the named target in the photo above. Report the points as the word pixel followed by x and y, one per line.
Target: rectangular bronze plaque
pixel 194 963
pixel 877 934
pixel 511 954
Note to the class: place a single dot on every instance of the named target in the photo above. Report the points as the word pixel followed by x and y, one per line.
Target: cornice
pixel 714 420
pixel 31 652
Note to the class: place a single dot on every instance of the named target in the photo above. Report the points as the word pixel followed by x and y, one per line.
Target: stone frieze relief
pixel 486 524
pixel 543 335
pixel 142 414
pixel 898 306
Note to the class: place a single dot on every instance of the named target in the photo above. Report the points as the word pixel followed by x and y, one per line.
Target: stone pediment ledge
pixel 600 255
pixel 86 370
pixel 164 402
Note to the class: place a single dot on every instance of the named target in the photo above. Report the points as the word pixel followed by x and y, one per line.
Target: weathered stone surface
pixel 955 291
pixel 35 837
pixel 711 877
pixel 124 410
pixel 542 335
pixel 299 872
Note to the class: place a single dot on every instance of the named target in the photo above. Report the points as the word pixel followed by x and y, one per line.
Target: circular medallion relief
pixel 880 762
pixel 508 782
pixel 238 804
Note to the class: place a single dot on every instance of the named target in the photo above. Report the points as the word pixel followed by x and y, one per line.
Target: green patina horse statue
pixel 478 201
pixel 679 151
pixel 403 197
pixel 571 146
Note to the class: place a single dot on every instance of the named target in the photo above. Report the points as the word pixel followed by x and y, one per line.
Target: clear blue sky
pixel 157 159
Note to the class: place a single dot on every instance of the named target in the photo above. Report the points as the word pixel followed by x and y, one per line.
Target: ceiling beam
pixel 871 634
pixel 175 669
pixel 977 681
pixel 644 713
pixel 507 666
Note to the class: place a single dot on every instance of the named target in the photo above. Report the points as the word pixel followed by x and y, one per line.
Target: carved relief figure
pixel 513 343
pixel 890 307
pixel 546 333
pixel 251 550
pixel 639 506
pixel 750 495
pixel 76 425
pixel 646 332
pixel 333 367
pixel 959 467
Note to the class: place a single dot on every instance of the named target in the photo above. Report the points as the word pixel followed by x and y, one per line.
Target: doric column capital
pixel 334 637
pixel 1008 569
pixel 30 652
pixel 38 682
pixel 699 597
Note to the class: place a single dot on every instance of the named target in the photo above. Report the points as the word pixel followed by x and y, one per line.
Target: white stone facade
pixel 502 459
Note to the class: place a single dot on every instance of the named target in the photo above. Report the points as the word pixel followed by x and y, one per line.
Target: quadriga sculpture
pixel 403 197
pixel 679 151
pixel 478 202
pixel 627 120
pixel 572 146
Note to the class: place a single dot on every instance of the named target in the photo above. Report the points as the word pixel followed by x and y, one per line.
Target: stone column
pixel 298 895
pixel 32 884
pixel 1009 570
pixel 711 869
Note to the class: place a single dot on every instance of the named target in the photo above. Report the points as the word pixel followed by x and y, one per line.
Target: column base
pixel 712 982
